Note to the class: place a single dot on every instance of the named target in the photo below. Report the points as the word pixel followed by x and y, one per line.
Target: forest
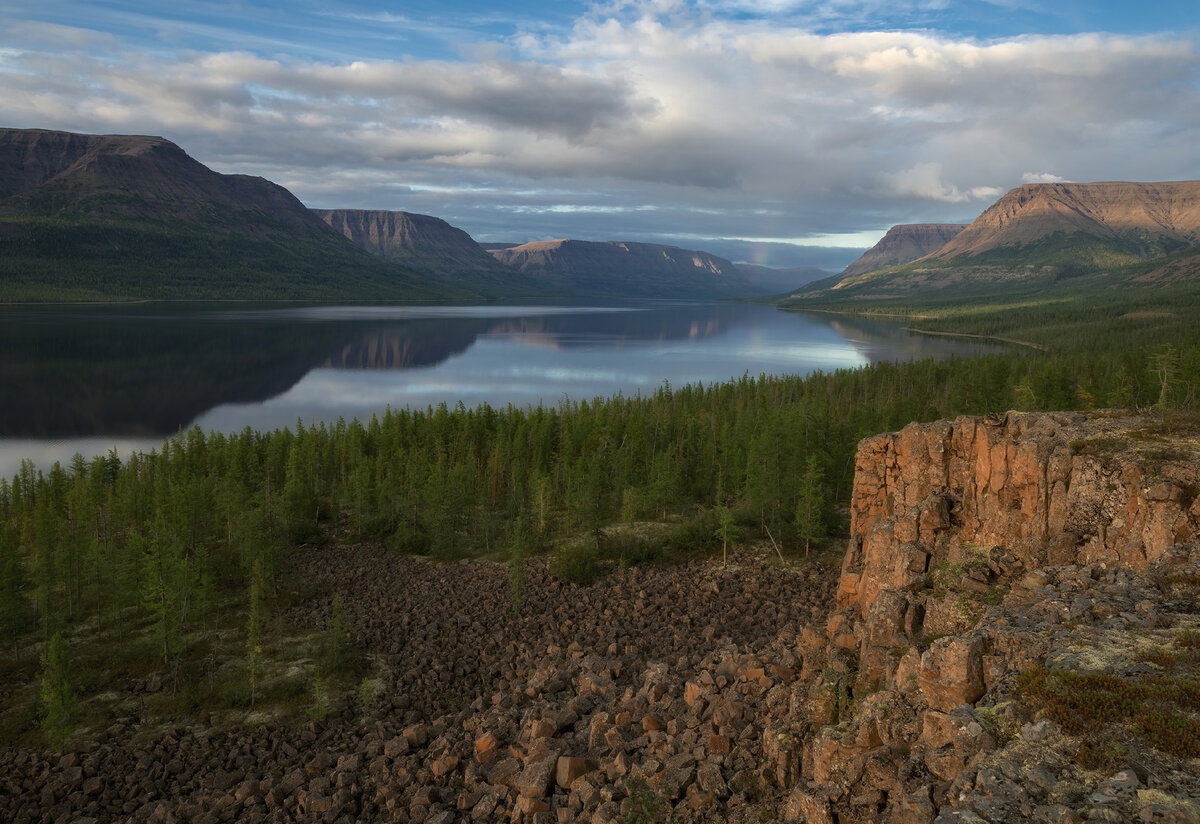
pixel 152 558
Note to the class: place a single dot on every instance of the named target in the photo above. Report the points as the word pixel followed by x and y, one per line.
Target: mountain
pixel 615 268
pixel 1140 219
pixel 133 216
pixel 1076 237
pixel 774 281
pixel 418 239
pixel 902 244
pixel 48 173
pixel 432 247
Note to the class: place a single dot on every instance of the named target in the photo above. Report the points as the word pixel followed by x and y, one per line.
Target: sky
pixel 778 132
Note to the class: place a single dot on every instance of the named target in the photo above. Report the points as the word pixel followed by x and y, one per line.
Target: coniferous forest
pixel 160 559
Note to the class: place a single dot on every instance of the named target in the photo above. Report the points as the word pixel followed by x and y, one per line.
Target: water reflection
pixel 90 378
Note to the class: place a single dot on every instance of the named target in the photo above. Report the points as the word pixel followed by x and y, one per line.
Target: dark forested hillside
pixel 132 216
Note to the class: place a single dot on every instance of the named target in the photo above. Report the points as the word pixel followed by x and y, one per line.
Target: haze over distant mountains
pixel 618 268
pixel 777 281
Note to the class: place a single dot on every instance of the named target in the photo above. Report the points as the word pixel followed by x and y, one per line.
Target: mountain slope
pixel 627 269
pixel 135 176
pixel 1146 218
pixel 1048 238
pixel 432 247
pixel 409 237
pixel 904 243
pixel 133 216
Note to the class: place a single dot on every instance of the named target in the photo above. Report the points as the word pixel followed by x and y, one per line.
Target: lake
pixel 93 378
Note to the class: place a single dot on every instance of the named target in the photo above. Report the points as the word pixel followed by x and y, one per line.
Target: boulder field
pixel 982 551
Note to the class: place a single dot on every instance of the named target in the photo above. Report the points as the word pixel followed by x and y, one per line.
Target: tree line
pixel 168 540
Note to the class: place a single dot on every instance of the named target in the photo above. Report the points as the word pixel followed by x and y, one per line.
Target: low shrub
pixel 1081 704
pixel 1102 753
pixel 574 562
pixel 628 549
pixel 1170 732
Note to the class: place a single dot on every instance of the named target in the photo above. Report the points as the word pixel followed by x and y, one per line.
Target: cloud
pixel 725 126
pixel 924 182
pixel 1040 177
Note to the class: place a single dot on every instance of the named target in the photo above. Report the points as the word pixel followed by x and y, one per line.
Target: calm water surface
pixel 92 378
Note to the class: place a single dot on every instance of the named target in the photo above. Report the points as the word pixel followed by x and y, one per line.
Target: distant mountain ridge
pixel 87 217
pixel 904 243
pixel 407 236
pixel 776 281
pixel 633 269
pixel 134 216
pixel 1159 216
pixel 1041 234
pixel 49 173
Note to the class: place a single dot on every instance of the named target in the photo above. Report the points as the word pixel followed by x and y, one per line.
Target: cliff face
pixel 902 244
pixel 408 237
pixel 979 549
pixel 635 269
pixel 1016 481
pixel 1133 212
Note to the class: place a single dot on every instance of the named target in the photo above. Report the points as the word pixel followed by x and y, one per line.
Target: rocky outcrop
pixel 902 244
pixel 949 492
pixel 982 548
pixel 1137 212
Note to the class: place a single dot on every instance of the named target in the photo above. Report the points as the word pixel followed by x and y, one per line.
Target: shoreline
pixel 1014 341
pixel 914 330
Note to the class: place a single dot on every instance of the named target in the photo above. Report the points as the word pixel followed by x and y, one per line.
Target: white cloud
pixel 834 135
pixel 1040 177
pixel 924 182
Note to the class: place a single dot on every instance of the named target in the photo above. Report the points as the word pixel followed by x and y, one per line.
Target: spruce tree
pixel 57 693
pixel 810 525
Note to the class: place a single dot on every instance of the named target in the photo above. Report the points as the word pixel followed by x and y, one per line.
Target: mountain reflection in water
pixel 131 375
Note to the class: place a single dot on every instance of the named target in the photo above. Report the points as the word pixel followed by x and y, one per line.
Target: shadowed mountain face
pixel 106 176
pixel 634 269
pixel 133 216
pixel 902 244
